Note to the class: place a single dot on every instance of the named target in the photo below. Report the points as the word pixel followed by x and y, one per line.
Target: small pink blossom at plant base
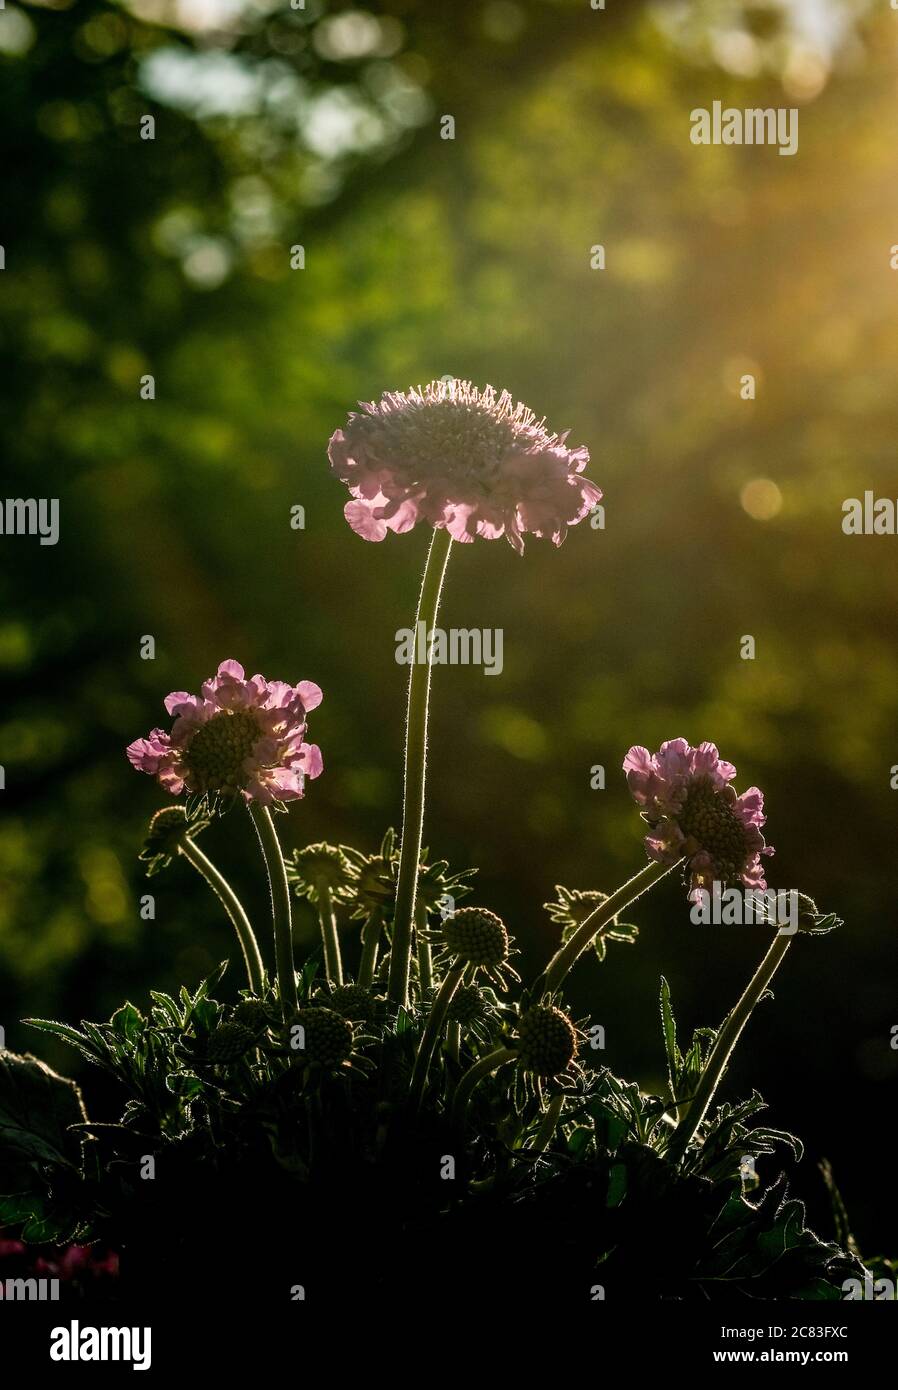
pixel 238 735
pixel 685 795
pixel 452 456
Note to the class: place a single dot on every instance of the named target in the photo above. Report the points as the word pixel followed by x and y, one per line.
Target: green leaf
pixel 37 1107
pixel 184 1084
pixel 768 1246
pixel 617 1185
pixel 67 1034
pixel 127 1022
pixel 404 1022
pixel 622 931
pixel 669 1026
pixel 610 1129
pixel 579 1141
pixel 167 1006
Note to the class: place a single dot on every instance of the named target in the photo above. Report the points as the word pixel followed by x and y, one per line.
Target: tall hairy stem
pixel 723 1048
pixel 232 906
pixel 280 906
pixel 415 770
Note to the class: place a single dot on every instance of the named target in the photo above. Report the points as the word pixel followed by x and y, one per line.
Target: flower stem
pixel 431 1032
pixel 472 1078
pixel 370 943
pixel 565 956
pixel 333 964
pixel 232 906
pixel 453 1042
pixel 425 957
pixel 547 1127
pixel 280 906
pixel 415 766
pixel 723 1048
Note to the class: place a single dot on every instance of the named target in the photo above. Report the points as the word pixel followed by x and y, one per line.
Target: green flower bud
pixel 353 1002
pixel 468 1005
pixel 547 1041
pixel 328 1037
pixel 229 1042
pixel 476 935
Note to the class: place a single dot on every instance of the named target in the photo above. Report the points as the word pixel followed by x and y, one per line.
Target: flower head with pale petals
pixel 450 455
pixel 238 736
pixel 685 795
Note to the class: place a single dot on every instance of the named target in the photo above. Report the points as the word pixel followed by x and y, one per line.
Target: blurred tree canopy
pixel 320 127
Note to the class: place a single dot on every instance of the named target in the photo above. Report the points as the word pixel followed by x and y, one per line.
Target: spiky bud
pixel 547 1040
pixel 229 1042
pixel 354 1002
pixel 319 868
pixel 327 1037
pixel 252 1014
pixel 468 1005
pixel 476 935
pixel 166 832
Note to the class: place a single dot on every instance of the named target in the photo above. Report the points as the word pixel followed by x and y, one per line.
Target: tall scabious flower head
pixel 238 736
pixel 476 937
pixel 475 462
pixel 686 796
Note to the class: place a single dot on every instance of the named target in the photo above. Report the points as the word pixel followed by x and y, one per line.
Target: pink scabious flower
pixel 454 456
pixel 685 795
pixel 238 735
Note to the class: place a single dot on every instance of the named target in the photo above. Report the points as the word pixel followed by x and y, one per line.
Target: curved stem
pixel 333 963
pixel 280 906
pixel 415 767
pixel 565 956
pixel 723 1048
pixel 472 1078
pixel 432 1031
pixel 547 1128
pixel 232 906
pixel 370 943
pixel 453 1042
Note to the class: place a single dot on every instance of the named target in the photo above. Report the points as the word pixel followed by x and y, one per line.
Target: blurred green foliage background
pixel 320 126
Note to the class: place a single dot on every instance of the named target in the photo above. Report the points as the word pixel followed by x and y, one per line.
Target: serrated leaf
pixel 766 1245
pixel 669 1028
pixel 37 1107
pixel 610 1129
pixel 168 1006
pixel 127 1022
pixel 68 1035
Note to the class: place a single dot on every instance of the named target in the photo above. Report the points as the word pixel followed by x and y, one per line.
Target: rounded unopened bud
pixel 476 935
pixel 328 1037
pixel 547 1040
pixel 812 920
pixel 354 1002
pixel 166 830
pixel 468 1005
pixel 229 1042
pixel 252 1014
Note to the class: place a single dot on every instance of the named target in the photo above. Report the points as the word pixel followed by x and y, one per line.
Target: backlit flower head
pixel 165 833
pixel 476 937
pixel 238 736
pixel 547 1042
pixel 475 462
pixel 686 797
